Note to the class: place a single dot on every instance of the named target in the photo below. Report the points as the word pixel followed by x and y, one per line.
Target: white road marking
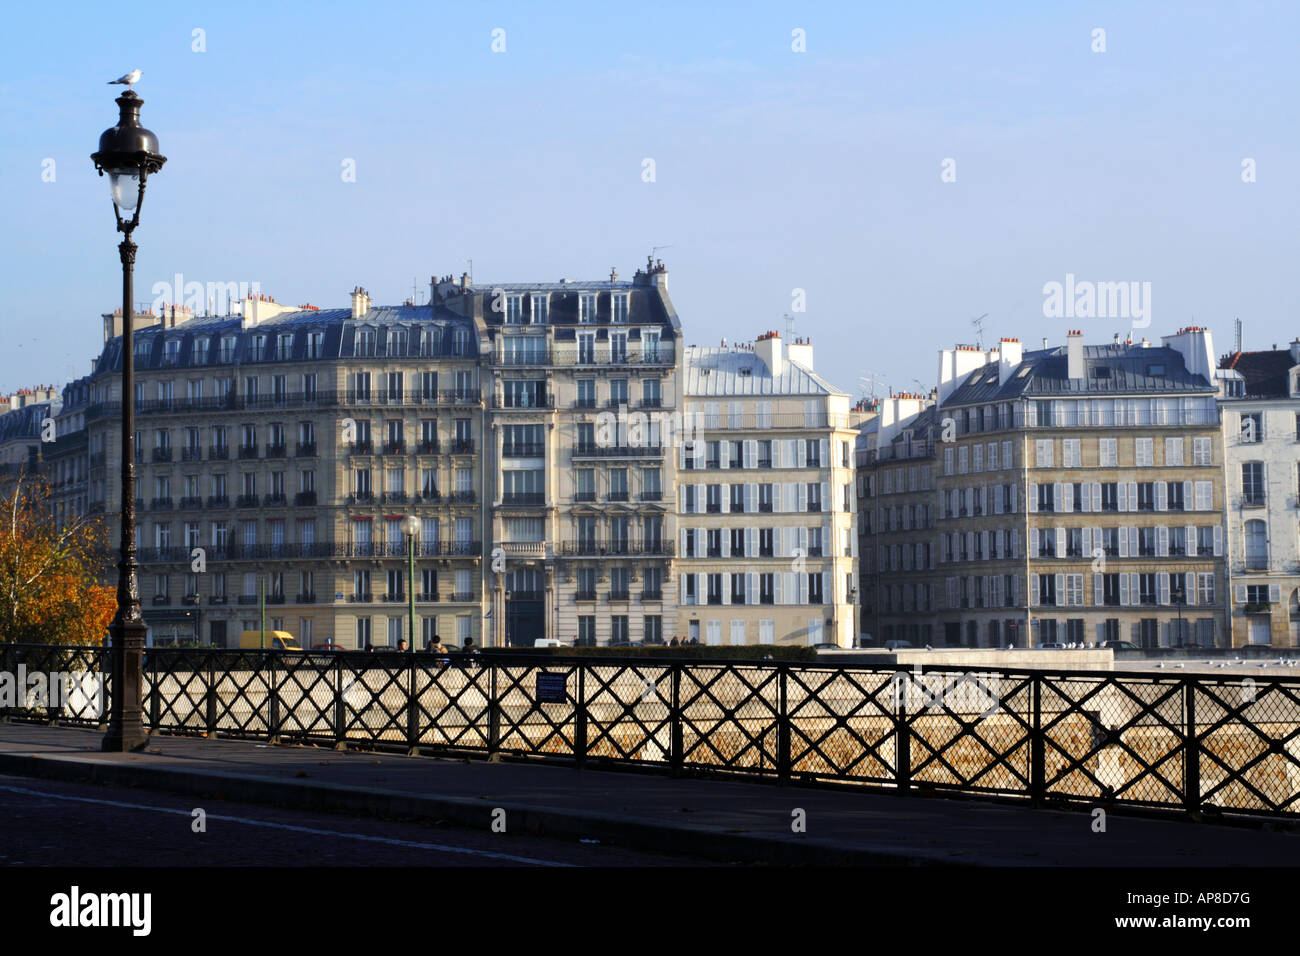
pixel 296 829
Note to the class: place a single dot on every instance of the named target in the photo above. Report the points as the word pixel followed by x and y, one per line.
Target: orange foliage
pixel 50 590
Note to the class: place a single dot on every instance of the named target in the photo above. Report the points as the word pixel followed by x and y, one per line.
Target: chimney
pixel 360 302
pixel 464 282
pixel 613 274
pixel 1010 354
pixel 768 348
pixel 1196 346
pixel 801 351
pixel 1295 351
pixel 1074 354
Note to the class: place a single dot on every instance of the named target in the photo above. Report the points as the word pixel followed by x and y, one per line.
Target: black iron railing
pixel 1195 743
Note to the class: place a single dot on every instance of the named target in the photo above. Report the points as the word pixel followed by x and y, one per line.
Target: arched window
pixel 1256 546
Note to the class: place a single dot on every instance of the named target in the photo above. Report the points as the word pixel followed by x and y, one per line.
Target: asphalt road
pixel 52 823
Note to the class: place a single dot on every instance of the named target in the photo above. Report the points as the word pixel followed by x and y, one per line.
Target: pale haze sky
pixel 775 170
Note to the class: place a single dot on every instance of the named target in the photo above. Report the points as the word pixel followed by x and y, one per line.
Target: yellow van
pixel 275 641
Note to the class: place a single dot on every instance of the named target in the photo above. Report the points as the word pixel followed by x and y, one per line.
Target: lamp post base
pixel 126 731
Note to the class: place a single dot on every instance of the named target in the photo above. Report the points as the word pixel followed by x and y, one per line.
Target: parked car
pixel 1120 645
pixel 627 644
pixel 275 641
pixel 1052 646
pixel 547 642
pixel 327 647
pixel 826 646
pixel 895 645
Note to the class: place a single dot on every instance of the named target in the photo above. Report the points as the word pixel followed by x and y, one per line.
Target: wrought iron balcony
pixel 162 454
pixel 275 451
pixel 306 449
pixel 305 498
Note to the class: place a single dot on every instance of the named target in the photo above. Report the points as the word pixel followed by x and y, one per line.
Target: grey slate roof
pixel 1043 374
pixel 716 372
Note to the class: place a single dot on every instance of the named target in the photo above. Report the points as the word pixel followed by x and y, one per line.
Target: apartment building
pixel 1260 403
pixel 767 546
pixel 897 507
pixel 278 452
pixel 1080 494
pixel 583 406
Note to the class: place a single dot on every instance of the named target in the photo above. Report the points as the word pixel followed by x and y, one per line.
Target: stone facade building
pixel 1260 402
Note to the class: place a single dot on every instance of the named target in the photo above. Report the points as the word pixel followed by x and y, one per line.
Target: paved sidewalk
pixel 705 818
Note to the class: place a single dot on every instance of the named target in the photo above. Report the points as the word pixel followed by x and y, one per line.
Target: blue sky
pixel 774 170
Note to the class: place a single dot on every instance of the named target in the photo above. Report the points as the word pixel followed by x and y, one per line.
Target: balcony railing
pixel 191 502
pixel 600 546
pixel 191 453
pixel 275 500
pixel 162 454
pixel 275 451
pixel 306 449
pixel 428 446
pixel 523 498
pixel 246 501
pixel 584 450
pixel 218 501
pixel 655 595
pixel 366 447
pixel 523 450
pixel 463 497
pixel 248 451
pixel 462 446
pixel 305 598
pixel 394 447
pixel 304 498
pixel 218 452
pixel 162 504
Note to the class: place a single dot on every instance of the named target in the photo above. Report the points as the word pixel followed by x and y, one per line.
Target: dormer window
pixel 363 342
pixel 284 346
pixel 171 351
pixel 1101 371
pixel 142 349
pixel 587 308
pixel 259 348
pixel 227 353
pixel 514 310
pixel 1156 371
pixel 541 308
pixel 315 344
pixel 200 354
pixel 618 308
pixel 397 342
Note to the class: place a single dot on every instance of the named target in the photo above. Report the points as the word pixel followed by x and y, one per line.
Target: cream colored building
pixel 581 380
pixel 1260 402
pixel 278 451
pixel 767 548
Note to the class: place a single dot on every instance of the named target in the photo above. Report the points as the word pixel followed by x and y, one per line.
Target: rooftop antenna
pixel 979 330
pixel 868 380
pixel 654 249
pixel 471 270
pixel 1236 325
pixel 789 327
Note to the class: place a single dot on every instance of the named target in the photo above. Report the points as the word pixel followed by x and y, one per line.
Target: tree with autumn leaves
pixel 50 576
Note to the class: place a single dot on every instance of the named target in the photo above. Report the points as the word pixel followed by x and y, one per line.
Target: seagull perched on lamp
pixel 129 80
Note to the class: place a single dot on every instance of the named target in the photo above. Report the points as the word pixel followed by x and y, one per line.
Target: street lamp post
pixel 411 526
pixel 128 153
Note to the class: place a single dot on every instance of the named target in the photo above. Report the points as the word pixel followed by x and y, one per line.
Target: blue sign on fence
pixel 552 688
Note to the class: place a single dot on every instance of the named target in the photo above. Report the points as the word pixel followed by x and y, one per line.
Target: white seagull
pixel 128 80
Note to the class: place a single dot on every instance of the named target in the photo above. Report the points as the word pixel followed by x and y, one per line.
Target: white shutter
pixel 1133 542
pixel 801 497
pixel 1096 496
pixel 1241 594
pixel 1162 587
pixel 1218 540
pixel 750 453
pixel 681 542
pixel 1060 542
pixel 724 498
pixel 751 588
pixel 1123 542
pixel 1067 499
pixel 1033 590
pixel 1189 587
pixel 681 494
pixel 1033 498
pixel 1189 502
pixel 1162 542
pixel 1122 493
pixel 1060 590
pixel 726 580
pixel 826 450
pixel 1132 496
pixel 1085 497
pixel 725 535
pixel 751 498
pixel 1162 496
pixel 1190 532
pixel 1033 542
pixel 1015 498
pixel 1057 495
pixel 778 592
pixel 997 502
pixel 1087 542
pixel 827 504
pixel 1134 588
pixel 1123 589
pixel 701 498
pixel 724 454
pixel 1098 590
pixel 1274 593
pixel 750 535
pixel 681 586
